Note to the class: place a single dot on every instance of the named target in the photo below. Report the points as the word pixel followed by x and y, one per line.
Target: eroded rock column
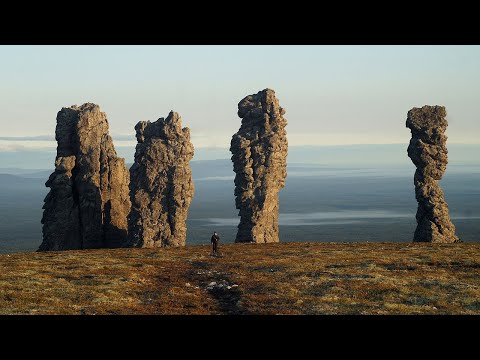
pixel 88 202
pixel 259 158
pixel 161 186
pixel 428 152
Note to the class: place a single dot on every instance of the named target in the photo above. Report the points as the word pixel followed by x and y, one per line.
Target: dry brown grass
pixel 286 278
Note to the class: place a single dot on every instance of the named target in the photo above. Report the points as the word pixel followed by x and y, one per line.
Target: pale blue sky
pixel 332 94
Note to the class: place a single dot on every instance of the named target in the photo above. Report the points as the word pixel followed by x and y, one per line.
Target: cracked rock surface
pixel 88 202
pixel 259 155
pixel 161 187
pixel 428 152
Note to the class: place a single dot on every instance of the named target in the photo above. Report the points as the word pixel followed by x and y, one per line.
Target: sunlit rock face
pixel 428 152
pixel 259 155
pixel 88 202
pixel 161 187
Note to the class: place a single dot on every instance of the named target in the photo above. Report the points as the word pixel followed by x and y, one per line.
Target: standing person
pixel 215 239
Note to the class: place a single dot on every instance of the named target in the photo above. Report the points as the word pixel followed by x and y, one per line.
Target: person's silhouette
pixel 214 240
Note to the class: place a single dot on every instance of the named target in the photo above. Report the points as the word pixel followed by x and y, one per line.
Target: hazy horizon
pixel 379 156
pixel 318 204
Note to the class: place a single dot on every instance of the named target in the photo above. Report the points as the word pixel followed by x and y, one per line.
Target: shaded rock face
pixel 428 152
pixel 161 187
pixel 88 202
pixel 259 158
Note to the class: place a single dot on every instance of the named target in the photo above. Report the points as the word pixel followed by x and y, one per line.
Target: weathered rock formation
pixel 259 158
pixel 161 186
pixel 428 152
pixel 88 202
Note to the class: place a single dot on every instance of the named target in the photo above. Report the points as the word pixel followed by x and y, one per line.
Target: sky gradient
pixel 333 95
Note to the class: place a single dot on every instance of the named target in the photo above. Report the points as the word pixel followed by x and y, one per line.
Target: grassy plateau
pixel 284 278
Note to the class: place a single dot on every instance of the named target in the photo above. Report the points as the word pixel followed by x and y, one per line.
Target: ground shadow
pixel 114 237
pixel 219 285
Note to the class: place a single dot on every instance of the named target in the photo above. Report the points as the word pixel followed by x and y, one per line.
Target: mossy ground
pixel 286 278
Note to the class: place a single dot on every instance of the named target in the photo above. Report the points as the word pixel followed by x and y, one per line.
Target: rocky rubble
pixel 220 285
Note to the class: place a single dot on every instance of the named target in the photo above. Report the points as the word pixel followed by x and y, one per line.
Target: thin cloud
pixel 26 145
pixel 28 138
pixel 124 137
pixel 11 147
